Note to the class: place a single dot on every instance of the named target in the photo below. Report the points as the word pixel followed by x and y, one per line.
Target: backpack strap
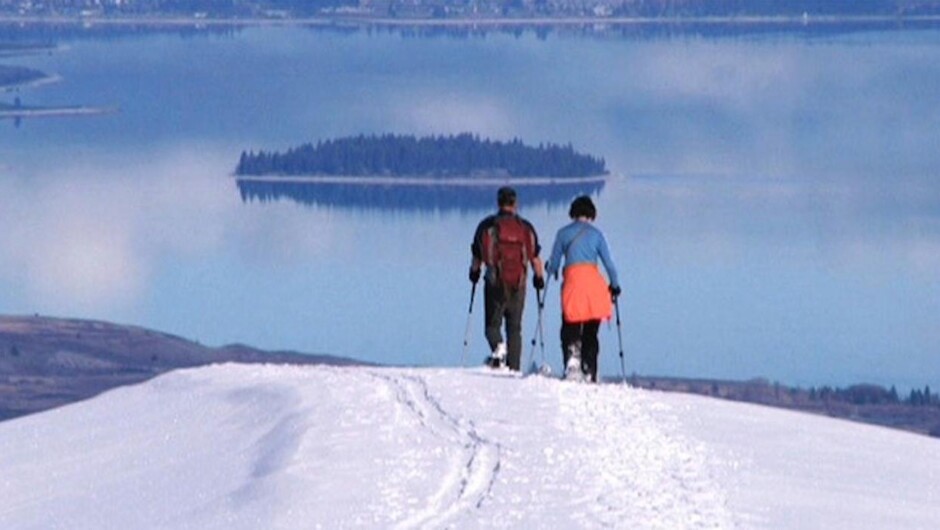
pixel 573 239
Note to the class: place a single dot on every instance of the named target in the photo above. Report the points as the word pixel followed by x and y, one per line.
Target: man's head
pixel 506 198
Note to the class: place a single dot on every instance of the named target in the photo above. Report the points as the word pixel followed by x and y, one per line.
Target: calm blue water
pixel 775 209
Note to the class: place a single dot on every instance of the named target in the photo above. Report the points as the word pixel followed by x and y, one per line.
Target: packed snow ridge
pixel 287 447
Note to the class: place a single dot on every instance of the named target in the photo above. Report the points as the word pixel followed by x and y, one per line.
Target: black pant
pixel 584 333
pixel 504 303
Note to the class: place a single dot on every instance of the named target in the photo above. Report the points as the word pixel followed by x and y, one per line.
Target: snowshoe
pixel 544 369
pixel 573 373
pixel 495 362
pixel 573 369
pixel 497 359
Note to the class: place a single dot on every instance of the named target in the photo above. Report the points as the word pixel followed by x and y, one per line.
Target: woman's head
pixel 583 206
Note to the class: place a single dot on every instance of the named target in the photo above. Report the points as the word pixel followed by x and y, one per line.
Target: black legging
pixel 584 333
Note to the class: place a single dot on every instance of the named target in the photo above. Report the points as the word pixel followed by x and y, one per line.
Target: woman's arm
pixel 604 251
pixel 554 261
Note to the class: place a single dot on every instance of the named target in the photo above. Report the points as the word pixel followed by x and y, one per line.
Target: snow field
pixel 281 447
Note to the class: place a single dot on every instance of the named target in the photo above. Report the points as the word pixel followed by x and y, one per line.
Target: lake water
pixel 774 209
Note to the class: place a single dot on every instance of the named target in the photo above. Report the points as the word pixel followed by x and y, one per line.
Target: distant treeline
pixel 219 8
pixel 917 411
pixel 476 8
pixel 704 8
pixel 874 395
pixel 463 155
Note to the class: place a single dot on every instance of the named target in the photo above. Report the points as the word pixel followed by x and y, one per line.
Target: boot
pixel 573 369
pixel 497 359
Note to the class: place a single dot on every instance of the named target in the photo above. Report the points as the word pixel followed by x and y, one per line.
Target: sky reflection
pixel 774 209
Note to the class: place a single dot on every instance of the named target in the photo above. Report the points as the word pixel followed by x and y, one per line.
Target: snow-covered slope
pixel 259 447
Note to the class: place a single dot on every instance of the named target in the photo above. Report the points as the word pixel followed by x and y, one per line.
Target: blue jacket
pixel 581 242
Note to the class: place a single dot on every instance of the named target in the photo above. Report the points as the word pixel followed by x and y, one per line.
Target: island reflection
pixel 414 197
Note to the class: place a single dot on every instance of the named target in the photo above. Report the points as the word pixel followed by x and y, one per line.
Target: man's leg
pixel 515 305
pixel 494 302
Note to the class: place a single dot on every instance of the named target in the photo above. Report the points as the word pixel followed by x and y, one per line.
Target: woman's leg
pixel 570 334
pixel 590 347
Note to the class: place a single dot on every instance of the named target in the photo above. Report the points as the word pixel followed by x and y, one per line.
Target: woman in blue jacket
pixel 586 296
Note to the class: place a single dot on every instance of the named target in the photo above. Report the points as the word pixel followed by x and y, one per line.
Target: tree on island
pixel 463 155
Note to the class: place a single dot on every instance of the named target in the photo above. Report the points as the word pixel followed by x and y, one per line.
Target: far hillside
pixel 48 362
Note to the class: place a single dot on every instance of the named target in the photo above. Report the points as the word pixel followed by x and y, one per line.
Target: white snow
pixel 279 447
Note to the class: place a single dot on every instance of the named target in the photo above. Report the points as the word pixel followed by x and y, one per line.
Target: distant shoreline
pixel 8 50
pixel 31 83
pixel 13 112
pixel 483 22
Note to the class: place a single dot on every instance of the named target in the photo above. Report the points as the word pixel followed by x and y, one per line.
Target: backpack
pixel 507 247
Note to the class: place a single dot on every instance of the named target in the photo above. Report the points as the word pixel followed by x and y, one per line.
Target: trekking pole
pixel 541 326
pixel 466 334
pixel 538 327
pixel 623 369
pixel 540 296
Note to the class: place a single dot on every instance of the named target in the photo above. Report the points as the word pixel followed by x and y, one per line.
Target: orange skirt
pixel 584 294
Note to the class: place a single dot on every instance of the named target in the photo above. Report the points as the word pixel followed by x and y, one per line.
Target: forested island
pixel 11 76
pixel 14 76
pixel 461 156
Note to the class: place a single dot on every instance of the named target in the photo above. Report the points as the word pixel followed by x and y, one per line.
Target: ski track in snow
pixel 609 457
pixel 474 461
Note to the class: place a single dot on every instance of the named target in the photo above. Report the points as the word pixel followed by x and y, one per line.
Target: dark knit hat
pixel 583 206
pixel 506 196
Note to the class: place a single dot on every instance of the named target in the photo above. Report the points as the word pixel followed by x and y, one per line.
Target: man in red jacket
pixel 508 245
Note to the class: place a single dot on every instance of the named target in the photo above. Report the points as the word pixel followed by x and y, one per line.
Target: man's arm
pixel 476 250
pixel 476 246
pixel 537 266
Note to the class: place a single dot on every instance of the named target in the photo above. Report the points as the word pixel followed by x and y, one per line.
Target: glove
pixel 551 271
pixel 474 275
pixel 614 290
pixel 538 282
